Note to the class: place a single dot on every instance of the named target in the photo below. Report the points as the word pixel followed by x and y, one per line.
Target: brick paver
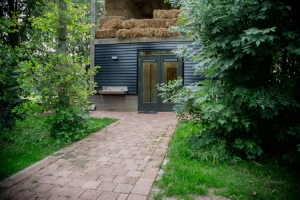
pixel 118 162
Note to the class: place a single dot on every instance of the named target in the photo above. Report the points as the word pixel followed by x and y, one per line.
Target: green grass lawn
pixel 185 176
pixel 29 142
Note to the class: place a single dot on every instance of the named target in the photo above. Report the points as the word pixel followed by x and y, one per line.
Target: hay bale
pixel 136 32
pixel 152 23
pixel 148 23
pixel 142 32
pixel 166 14
pixel 160 23
pixel 112 33
pixel 113 24
pixel 123 33
pixel 106 19
pixel 145 32
pixel 162 32
pixel 166 23
pixel 175 33
pixel 148 32
pixel 133 23
pixel 140 23
pixel 128 24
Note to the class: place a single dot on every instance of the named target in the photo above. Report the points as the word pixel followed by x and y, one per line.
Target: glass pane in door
pixel 170 67
pixel 149 82
pixel 170 70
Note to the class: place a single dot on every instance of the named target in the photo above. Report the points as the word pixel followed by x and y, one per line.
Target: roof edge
pixel 138 40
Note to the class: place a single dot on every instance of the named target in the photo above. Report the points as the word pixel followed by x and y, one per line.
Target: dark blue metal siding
pixel 123 72
pixel 188 73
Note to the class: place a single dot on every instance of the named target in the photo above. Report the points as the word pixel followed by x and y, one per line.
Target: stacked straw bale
pixel 121 28
pixel 148 23
pixel 148 32
pixel 113 24
pixel 128 24
pixel 163 32
pixel 110 33
pixel 110 28
pixel 166 14
pixel 145 32
pixel 106 19
pixel 142 32
pixel 123 33
pixel 166 23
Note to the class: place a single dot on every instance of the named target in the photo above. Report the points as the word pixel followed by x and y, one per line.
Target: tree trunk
pixel 61 49
pixel 62 28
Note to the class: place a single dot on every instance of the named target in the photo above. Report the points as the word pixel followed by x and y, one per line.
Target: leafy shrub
pixel 185 99
pixel 250 57
pixel 57 68
pixel 32 130
pixel 67 126
pixel 9 86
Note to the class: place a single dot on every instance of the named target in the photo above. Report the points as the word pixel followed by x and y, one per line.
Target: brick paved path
pixel 119 162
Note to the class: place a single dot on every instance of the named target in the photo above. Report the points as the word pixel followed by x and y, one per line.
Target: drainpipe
pixel 93 30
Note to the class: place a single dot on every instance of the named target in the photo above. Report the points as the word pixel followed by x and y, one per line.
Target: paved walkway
pixel 119 162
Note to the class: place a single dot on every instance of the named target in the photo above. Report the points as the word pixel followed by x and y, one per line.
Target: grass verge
pixel 29 142
pixel 186 176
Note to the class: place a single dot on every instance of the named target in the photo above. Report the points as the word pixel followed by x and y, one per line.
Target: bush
pixel 9 86
pixel 250 57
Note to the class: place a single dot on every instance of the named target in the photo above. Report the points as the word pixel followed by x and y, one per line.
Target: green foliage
pixel 60 77
pixel 187 176
pixel 30 107
pixel 9 87
pixel 195 145
pixel 63 90
pixel 29 140
pixel 249 53
pixel 14 158
pixel 15 32
pixel 183 97
pixel 29 39
pixel 58 67
pixel 66 125
pixel 32 130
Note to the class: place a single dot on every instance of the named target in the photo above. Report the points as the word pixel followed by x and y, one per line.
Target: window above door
pixel 155 52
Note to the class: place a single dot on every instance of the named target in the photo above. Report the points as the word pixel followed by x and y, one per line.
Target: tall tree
pixel 24 35
pixel 15 27
pixel 62 27
pixel 58 70
pixel 62 48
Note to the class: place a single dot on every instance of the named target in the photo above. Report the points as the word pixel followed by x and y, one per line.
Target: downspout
pixel 93 30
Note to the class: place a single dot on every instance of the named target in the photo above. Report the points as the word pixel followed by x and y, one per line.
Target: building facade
pixel 131 67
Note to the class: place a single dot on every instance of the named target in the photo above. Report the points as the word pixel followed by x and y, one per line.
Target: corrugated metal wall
pixel 124 70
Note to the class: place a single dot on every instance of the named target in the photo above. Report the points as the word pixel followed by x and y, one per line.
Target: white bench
pixel 113 90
